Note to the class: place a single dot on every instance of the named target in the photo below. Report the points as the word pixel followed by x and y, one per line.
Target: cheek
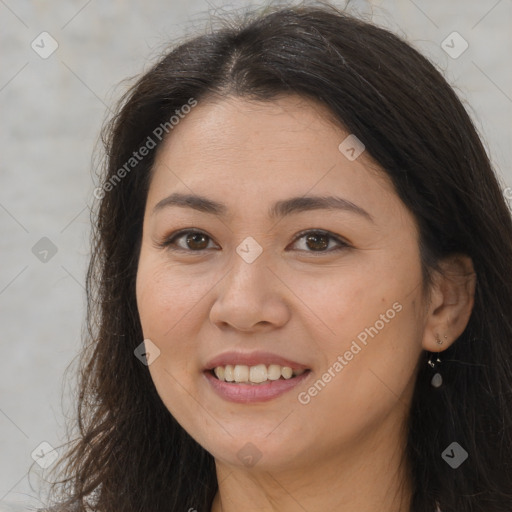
pixel 362 383
pixel 359 301
pixel 373 341
pixel 167 303
pixel 166 296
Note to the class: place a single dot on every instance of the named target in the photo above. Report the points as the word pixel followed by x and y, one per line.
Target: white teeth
pixel 286 372
pixel 228 373
pixel 258 373
pixel 254 374
pixel 274 372
pixel 241 373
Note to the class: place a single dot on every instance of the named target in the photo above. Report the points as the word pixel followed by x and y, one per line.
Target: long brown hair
pixel 129 453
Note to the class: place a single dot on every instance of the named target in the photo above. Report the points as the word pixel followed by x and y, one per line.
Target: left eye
pixel 319 240
pixel 196 241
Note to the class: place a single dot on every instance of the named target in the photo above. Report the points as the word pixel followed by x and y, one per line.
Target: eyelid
pixel 168 241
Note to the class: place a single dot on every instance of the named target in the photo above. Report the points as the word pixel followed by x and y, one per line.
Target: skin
pixel 342 450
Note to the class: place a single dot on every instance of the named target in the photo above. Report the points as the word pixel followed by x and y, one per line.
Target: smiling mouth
pixel 258 374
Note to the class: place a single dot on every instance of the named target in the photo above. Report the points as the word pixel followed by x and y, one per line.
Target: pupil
pixel 194 239
pixel 314 238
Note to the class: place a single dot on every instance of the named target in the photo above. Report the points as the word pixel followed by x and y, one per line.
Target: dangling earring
pixel 437 379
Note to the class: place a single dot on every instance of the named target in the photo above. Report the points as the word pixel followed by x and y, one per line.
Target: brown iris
pixel 197 238
pixel 314 238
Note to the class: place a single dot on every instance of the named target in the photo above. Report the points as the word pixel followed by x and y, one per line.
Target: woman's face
pixel 269 278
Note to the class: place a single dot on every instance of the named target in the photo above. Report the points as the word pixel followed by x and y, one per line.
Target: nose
pixel 250 298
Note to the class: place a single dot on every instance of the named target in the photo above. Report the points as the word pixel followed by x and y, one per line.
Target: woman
pixel 300 291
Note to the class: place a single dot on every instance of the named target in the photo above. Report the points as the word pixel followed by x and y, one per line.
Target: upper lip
pixel 252 359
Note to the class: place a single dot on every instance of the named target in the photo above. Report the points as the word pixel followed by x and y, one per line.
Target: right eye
pixel 193 241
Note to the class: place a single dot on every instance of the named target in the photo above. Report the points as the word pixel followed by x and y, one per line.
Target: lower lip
pixel 249 393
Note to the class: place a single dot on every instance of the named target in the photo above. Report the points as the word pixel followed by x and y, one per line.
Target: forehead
pixel 239 125
pixel 284 142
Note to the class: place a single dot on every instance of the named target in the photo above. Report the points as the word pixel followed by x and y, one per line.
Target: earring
pixel 437 379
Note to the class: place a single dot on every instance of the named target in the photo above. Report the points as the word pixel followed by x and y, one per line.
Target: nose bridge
pixel 249 268
pixel 249 293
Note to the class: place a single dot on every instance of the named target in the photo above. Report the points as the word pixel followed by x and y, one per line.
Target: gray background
pixel 52 110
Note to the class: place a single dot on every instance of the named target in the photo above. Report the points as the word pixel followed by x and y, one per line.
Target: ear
pixel 451 302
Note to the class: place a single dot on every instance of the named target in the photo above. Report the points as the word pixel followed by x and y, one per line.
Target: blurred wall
pixel 60 64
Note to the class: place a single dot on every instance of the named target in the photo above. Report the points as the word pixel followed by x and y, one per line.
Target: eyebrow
pixel 277 210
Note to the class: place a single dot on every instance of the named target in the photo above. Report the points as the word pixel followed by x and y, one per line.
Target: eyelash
pixel 169 242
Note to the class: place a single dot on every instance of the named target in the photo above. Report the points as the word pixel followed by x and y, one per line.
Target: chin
pixel 257 453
